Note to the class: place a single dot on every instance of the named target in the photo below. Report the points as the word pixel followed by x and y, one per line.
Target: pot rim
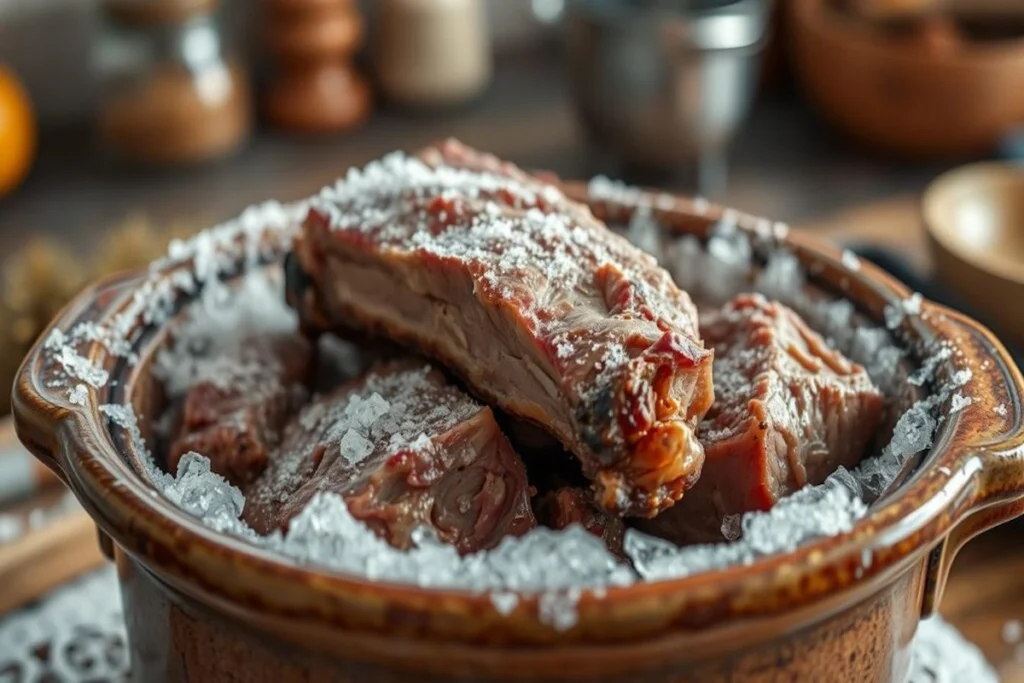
pixel 814 16
pixel 976 464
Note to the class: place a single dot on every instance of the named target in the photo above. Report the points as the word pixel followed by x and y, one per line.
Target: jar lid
pixel 147 12
pixel 695 24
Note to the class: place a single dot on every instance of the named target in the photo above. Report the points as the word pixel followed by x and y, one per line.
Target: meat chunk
pixel 570 505
pixel 537 306
pixel 340 360
pixel 235 410
pixel 405 449
pixel 789 410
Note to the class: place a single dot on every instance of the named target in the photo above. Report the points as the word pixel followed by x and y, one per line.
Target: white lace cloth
pixel 77 634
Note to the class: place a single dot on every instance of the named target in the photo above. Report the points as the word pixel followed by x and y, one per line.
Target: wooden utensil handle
pixel 45 558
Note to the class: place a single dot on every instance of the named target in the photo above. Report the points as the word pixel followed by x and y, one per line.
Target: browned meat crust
pixel 526 296
pixel 570 505
pixel 234 415
pixel 789 410
pixel 405 449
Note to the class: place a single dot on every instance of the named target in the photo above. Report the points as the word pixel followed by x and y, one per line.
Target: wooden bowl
pixel 904 97
pixel 974 217
pixel 202 605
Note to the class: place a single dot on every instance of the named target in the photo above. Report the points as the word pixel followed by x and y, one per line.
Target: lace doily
pixel 76 634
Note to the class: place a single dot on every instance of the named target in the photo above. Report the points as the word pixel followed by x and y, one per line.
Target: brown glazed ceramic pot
pixel 201 606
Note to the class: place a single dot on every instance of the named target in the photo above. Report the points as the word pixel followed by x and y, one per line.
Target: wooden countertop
pixel 892 222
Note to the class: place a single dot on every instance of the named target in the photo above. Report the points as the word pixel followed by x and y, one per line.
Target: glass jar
pixel 431 53
pixel 170 94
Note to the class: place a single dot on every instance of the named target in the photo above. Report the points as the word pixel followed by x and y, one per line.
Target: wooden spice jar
pixel 170 93
pixel 314 87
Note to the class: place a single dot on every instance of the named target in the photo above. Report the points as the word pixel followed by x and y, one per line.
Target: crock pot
pixel 201 605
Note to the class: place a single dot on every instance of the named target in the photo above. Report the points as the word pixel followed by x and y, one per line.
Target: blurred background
pixel 894 127
pixel 124 122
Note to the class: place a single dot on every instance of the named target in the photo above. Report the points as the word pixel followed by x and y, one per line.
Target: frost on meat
pixel 234 411
pixel 570 505
pixel 531 300
pixel 405 449
pixel 789 410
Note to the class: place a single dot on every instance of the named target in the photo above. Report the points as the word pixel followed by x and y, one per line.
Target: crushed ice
pixel 551 564
pixel 217 322
pixel 556 566
pixel 207 495
pixel 361 414
pixel 896 313
pixel 850 260
pixel 717 272
pixel 829 509
pixel 78 395
pixel 640 230
pixel 959 402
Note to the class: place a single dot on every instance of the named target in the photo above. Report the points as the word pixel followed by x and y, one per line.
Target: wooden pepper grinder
pixel 316 88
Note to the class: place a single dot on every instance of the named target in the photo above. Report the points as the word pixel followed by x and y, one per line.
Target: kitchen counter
pixel 786 164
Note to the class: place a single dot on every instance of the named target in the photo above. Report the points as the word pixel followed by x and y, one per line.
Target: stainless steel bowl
pixel 664 83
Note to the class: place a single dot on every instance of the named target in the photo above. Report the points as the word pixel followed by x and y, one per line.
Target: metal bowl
pixel 663 84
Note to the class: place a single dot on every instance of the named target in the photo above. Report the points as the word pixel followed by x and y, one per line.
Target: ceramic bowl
pixel 203 606
pixel 903 97
pixel 974 217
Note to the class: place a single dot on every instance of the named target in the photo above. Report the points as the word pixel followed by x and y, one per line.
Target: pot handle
pixel 42 403
pixel 988 444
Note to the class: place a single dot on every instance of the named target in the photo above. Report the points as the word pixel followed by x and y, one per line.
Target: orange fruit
pixel 17 132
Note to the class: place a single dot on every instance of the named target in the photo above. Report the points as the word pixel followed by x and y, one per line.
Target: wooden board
pixel 57 541
pixel 985 597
